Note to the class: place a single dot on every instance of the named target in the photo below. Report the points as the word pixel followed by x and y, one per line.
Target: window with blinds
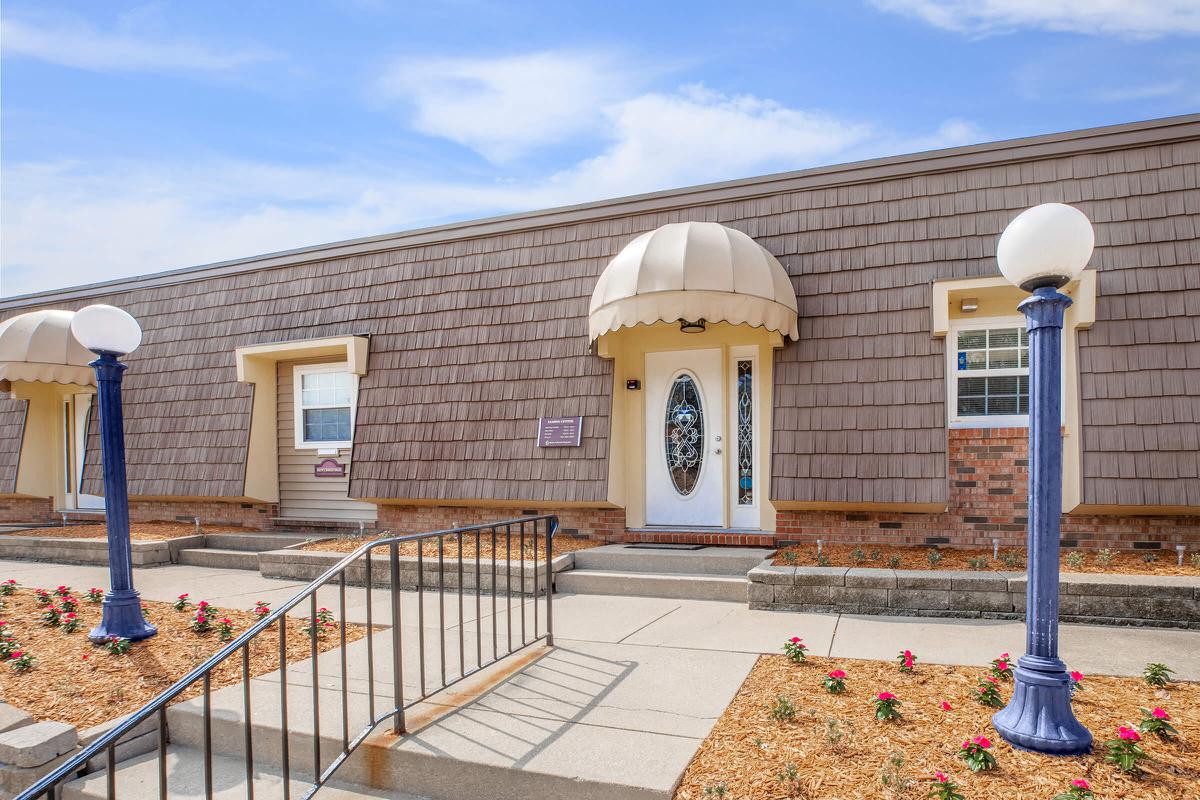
pixel 991 372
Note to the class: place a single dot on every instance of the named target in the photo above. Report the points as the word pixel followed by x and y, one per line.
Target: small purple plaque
pixel 329 468
pixel 559 431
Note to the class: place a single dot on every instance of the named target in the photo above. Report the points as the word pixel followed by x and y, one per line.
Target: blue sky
pixel 141 137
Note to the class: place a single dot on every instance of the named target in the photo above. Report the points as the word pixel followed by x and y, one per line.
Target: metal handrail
pixel 107 743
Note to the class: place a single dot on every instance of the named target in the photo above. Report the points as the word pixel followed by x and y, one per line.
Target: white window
pixel 325 396
pixel 988 369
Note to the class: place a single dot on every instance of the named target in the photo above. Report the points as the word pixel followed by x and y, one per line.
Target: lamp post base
pixel 122 617
pixel 1039 716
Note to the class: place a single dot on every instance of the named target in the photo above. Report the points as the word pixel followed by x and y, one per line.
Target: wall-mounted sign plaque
pixel 559 431
pixel 329 468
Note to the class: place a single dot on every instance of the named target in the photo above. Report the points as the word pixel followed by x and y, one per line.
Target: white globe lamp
pixel 1047 245
pixel 106 329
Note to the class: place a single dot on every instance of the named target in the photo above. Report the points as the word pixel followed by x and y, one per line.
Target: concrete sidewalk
pixel 688 624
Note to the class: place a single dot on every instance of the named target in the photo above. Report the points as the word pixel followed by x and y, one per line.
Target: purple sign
pixel 329 468
pixel 559 431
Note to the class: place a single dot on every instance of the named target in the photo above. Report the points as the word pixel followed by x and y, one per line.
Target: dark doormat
pixel 664 546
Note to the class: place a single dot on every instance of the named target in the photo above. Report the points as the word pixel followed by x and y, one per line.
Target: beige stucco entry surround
pixel 741 304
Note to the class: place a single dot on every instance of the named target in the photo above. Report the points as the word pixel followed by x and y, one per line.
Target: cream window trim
pixel 299 406
pixel 256 366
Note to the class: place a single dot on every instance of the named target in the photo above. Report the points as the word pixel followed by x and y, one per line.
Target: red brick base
pixel 599 523
pixel 988 499
pixel 28 509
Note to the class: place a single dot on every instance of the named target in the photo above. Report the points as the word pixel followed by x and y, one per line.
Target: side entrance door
pixel 77 410
pixel 685 415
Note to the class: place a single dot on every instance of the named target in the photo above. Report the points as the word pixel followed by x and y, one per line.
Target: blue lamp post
pixel 1041 250
pixel 110 333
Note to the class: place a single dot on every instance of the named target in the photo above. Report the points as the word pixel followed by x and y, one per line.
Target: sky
pixel 141 137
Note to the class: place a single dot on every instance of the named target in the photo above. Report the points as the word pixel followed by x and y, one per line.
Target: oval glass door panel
pixel 684 434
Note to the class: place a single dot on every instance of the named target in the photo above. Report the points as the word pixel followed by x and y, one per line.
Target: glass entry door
pixel 76 414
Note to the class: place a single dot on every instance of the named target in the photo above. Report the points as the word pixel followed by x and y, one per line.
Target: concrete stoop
pixel 709 573
pixel 236 550
pixel 584 720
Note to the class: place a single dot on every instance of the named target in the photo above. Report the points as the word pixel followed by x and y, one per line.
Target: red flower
pixel 226 621
pixel 183 596
pixel 15 654
pixel 1128 734
pixel 795 639
pixel 85 656
pixel 203 604
pixel 1077 676
pixel 886 696
pixel 70 615
pixel 1001 665
pixel 1080 783
pixel 993 680
pixel 199 618
pixel 940 776
pixel 945 706
pixel 837 673
pixel 1160 714
pixel 1004 656
pixel 982 741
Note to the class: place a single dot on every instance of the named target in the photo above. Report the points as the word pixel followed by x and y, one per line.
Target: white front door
pixel 685 438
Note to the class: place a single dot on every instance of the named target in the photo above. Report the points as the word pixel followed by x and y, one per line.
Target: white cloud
pixel 1128 18
pixel 697 135
pixel 74 43
pixel 505 107
pixel 68 223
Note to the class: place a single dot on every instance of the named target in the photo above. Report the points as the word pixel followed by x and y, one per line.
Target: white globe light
pixel 1047 245
pixel 106 329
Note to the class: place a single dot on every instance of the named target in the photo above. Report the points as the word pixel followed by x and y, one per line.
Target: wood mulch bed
pixel 138 531
pixel 562 544
pixel 82 684
pixel 884 556
pixel 839 750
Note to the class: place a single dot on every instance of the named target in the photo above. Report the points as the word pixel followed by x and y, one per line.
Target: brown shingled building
pixel 828 353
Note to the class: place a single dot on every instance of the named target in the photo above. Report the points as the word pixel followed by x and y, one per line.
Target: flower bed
pixel 71 680
pixel 138 531
pixel 1146 562
pixel 837 745
pixel 562 544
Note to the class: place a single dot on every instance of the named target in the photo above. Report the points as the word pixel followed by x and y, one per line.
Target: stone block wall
pixel 1149 600
pixel 988 497
pixel 27 509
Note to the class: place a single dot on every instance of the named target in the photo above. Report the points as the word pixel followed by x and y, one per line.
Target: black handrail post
pixel 397 649
pixel 370 644
pixel 284 754
pixel 247 739
pixel 316 686
pixel 524 594
pixel 551 527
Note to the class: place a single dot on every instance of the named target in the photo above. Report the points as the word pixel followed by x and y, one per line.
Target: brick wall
pixel 28 509
pixel 988 496
pixel 600 523
pixel 211 512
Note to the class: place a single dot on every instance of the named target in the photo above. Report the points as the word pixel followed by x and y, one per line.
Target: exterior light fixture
pixel 691 327
pixel 110 332
pixel 1041 250
pixel 969 304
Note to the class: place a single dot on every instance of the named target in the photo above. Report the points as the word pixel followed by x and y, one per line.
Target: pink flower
pixel 795 640
pixel 199 618
pixel 982 741
pixel 1004 656
pixel 15 654
pixel 908 659
pixel 1001 665
pixel 183 596
pixel 993 680
pixel 203 604
pixel 1077 676
pixel 1080 783
pixel 226 621
pixel 886 696
pixel 71 615
pixel 1128 734
pixel 945 706
pixel 837 673
pixel 940 776
pixel 1160 714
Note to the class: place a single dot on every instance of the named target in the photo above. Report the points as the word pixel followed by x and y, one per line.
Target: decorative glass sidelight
pixel 745 432
pixel 684 434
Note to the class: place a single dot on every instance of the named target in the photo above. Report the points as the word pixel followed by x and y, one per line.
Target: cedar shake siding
pixel 477 329
pixel 12 428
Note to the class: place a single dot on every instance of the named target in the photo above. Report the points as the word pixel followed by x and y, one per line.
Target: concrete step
pixel 218 558
pixel 705 561
pixel 680 586
pixel 256 542
pixel 138 777
pixel 585 722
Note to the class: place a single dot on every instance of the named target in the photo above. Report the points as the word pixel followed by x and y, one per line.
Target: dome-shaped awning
pixel 693 271
pixel 38 346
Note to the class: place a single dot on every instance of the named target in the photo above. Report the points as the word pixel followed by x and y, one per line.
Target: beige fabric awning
pixel 692 271
pixel 38 346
